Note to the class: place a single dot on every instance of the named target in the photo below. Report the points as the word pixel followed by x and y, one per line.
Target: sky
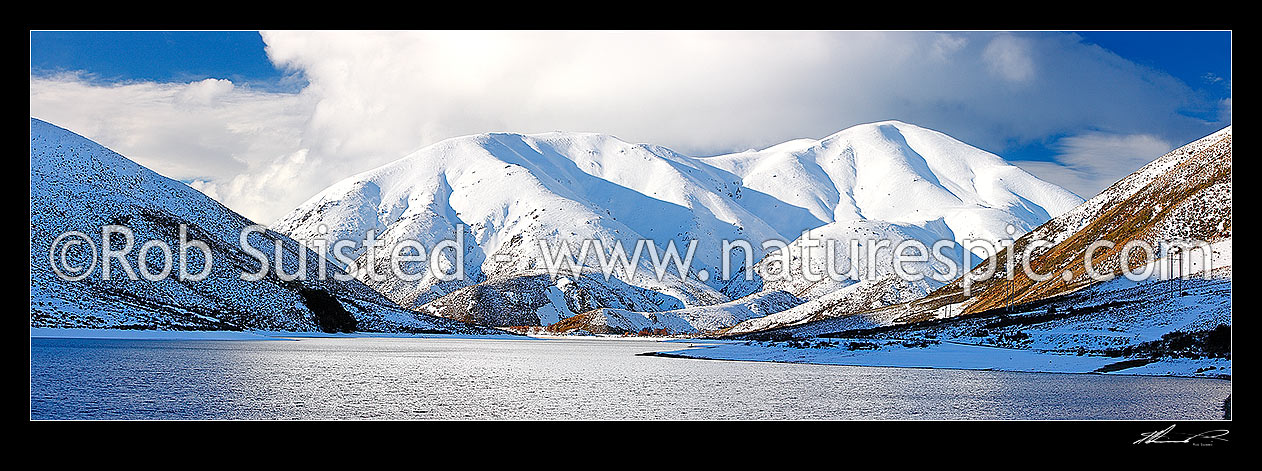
pixel 262 121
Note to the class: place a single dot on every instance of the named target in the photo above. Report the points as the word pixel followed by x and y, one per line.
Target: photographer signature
pixel 1164 436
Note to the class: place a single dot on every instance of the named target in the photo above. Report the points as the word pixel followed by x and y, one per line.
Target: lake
pixel 452 378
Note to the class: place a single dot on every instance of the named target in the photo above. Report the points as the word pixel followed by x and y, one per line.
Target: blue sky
pixel 1199 58
pixel 162 56
pixel 240 114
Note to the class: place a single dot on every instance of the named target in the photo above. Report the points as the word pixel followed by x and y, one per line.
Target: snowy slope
pixel 512 191
pixel 699 319
pixel 889 181
pixel 863 296
pixel 78 185
pixel 1153 327
pixel 532 300
pixel 1185 194
pixel 901 174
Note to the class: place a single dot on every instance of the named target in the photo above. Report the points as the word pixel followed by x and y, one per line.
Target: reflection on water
pixel 395 378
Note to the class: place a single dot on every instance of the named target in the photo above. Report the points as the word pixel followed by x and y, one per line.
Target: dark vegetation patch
pixel 1124 364
pixel 134 327
pixel 417 330
pixel 919 343
pixel 330 316
pixel 1052 315
pixel 1002 315
pixel 1215 343
pixel 646 332
pixel 804 344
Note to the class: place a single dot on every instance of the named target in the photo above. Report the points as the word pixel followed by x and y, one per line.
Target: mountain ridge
pixel 1184 194
pixel 512 191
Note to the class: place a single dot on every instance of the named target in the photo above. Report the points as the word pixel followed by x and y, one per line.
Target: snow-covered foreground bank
pixel 952 355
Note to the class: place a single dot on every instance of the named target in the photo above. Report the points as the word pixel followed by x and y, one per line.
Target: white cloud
pixel 946 45
pixel 209 131
pixel 372 97
pixel 1089 163
pixel 204 93
pixel 1009 58
pixel 705 92
pixel 262 187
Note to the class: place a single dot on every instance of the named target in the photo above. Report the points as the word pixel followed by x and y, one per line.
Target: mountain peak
pixel 508 192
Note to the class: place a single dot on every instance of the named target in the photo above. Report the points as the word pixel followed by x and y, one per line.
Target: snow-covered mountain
pixel 903 182
pixel 510 192
pixel 79 185
pixel 1182 195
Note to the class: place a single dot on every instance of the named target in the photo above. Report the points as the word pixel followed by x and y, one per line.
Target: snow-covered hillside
pixel 1183 195
pixel 897 173
pixel 511 191
pixel 78 185
pixel 1163 326
pixel 903 182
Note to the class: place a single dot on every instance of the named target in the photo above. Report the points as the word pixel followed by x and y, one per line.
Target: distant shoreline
pixel 122 334
pixel 951 356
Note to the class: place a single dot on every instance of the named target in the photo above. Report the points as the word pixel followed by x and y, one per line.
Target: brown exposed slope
pixel 1183 195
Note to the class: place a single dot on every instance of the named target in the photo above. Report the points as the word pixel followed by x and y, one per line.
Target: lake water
pixel 446 378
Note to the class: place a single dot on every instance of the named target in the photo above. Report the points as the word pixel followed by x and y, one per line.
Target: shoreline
pixel 951 356
pixel 154 334
pixel 235 335
pixel 948 355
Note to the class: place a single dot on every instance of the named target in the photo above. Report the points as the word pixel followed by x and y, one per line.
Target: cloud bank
pixel 1091 162
pixel 372 97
